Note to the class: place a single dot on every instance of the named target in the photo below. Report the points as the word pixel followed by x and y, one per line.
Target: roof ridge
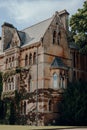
pixel 37 23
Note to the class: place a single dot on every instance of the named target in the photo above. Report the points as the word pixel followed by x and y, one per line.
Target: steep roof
pixel 21 36
pixel 34 33
pixel 58 63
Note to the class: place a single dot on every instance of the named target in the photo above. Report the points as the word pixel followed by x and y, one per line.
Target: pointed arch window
pixel 30 59
pixel 10 63
pixel 9 84
pixel 12 83
pixel 6 63
pixel 26 60
pixel 59 37
pixel 55 81
pixel 13 61
pixel 13 58
pixel 34 58
pixel 54 37
pixel 9 60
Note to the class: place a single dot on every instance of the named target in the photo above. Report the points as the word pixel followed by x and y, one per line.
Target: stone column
pixel 15 82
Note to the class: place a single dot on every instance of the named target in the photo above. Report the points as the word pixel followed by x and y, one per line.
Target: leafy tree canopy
pixel 78 24
pixel 0 84
pixel 74 104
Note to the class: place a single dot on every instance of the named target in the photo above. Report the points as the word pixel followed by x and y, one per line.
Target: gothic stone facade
pixel 39 62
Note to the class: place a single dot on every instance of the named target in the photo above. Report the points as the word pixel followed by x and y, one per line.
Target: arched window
pixel 34 58
pixel 61 80
pixel 12 83
pixel 9 84
pixel 55 81
pixel 25 107
pixel 30 59
pixel 9 60
pixel 10 64
pixel 13 61
pixel 54 37
pixel 6 63
pixel 59 37
pixel 26 60
pixel 13 58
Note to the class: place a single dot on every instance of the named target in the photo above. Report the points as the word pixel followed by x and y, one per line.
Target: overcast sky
pixel 24 13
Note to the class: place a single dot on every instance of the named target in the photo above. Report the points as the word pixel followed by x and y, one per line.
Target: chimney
pixel 7 33
pixel 64 18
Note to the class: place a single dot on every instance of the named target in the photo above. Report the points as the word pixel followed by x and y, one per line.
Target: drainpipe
pixel 37 92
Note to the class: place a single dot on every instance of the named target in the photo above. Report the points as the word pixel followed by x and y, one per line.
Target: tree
pixel 1 84
pixel 78 24
pixel 74 105
pixel 12 117
pixel 1 102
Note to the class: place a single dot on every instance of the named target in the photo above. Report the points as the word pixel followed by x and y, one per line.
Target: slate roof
pixel 58 63
pixel 34 33
pixel 22 37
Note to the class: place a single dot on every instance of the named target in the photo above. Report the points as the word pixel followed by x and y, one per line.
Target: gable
pixel 34 33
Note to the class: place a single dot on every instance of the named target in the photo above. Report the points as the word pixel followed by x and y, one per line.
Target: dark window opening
pixel 59 37
pixel 30 59
pixel 34 58
pixel 54 37
pixel 26 60
pixel 6 61
pixel 13 58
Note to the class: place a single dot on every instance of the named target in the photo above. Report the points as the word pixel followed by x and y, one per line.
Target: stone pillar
pixel 15 83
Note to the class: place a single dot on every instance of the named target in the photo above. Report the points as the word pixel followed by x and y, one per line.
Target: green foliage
pixel 2 110
pixel 74 104
pixel 12 117
pixel 78 24
pixel 0 84
pixel 8 73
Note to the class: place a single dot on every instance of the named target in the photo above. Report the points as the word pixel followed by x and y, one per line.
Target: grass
pixel 16 127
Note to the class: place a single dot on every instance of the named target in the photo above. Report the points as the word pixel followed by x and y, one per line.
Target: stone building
pixel 38 62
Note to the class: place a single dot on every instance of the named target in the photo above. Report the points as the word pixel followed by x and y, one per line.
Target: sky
pixel 24 13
